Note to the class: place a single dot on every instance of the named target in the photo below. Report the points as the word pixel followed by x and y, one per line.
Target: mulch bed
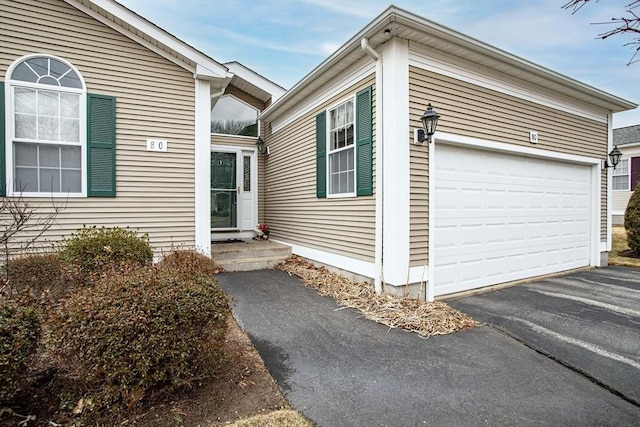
pixel 424 318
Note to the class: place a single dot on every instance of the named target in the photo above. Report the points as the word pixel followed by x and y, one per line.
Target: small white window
pixel 621 176
pixel 47 121
pixel 341 150
pixel 232 116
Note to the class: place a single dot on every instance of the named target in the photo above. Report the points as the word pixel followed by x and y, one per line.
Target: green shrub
pixel 92 249
pixel 146 330
pixel 19 334
pixel 38 273
pixel 632 221
pixel 189 262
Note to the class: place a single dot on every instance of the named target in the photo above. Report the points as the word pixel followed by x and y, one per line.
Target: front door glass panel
pixel 224 202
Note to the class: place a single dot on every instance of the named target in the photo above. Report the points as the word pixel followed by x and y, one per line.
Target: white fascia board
pixel 625 146
pixel 456 68
pixel 256 79
pixel 208 67
pixel 357 72
pixel 352 44
pixel 615 103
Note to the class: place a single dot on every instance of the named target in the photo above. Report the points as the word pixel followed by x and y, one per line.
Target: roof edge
pixel 395 14
pixel 208 68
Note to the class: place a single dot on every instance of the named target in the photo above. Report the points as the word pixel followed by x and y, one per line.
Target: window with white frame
pixel 620 175
pixel 341 149
pixel 47 111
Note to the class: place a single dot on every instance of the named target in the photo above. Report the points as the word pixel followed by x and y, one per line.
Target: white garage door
pixel 503 217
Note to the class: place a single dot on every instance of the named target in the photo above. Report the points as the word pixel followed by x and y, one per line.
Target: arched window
pixel 234 117
pixel 46 116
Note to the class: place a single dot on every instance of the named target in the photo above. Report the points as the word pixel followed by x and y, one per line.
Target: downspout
pixel 378 242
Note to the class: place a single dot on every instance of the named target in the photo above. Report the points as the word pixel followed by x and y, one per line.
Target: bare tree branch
pixel 628 24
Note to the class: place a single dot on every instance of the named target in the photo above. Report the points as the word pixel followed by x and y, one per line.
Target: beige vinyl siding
pixel 474 111
pixel 243 96
pixel 344 226
pixel 155 99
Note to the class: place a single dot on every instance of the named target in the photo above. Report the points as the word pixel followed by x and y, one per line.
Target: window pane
pixel 26 179
pixel 69 130
pixel 231 116
pixel 70 156
pixel 25 126
pixel 49 180
pixel 71 181
pixel 246 172
pixel 49 155
pixel 69 105
pixel 25 101
pixel 349 136
pixel 24 73
pixel 40 65
pixel 349 108
pixel 48 104
pixel 48 128
pixel 25 154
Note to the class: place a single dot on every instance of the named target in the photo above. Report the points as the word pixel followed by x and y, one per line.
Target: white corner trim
pixel 202 166
pixel 451 66
pixel 603 247
pixel 353 265
pixel 431 284
pixel 357 72
pixel 609 240
pixel 512 148
pixel 396 155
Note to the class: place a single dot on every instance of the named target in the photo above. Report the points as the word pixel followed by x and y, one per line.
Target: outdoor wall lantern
pixel 429 124
pixel 262 149
pixel 614 158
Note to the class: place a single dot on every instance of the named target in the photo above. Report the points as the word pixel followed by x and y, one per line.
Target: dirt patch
pixel 242 388
pixel 628 254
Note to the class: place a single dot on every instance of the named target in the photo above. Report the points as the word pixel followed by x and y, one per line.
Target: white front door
pixel 248 191
pixel 233 189
pixel 501 217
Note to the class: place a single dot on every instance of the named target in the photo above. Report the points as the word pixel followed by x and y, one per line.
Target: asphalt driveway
pixel 340 369
pixel 589 321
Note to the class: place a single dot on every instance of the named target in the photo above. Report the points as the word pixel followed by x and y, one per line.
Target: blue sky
pixel 285 39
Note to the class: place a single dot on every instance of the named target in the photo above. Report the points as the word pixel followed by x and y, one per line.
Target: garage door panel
pixel 502 217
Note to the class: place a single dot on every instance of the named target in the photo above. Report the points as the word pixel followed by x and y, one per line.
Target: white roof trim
pixel 402 17
pixel 255 79
pixel 206 67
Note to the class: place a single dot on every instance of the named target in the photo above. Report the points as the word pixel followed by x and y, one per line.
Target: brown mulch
pixel 241 388
pixel 424 318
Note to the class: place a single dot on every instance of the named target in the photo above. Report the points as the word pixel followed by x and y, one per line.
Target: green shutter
pixel 3 163
pixel 364 143
pixel 321 155
pixel 101 146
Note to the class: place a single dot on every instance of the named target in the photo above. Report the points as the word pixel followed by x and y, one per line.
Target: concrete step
pixel 250 264
pixel 224 253
pixel 249 255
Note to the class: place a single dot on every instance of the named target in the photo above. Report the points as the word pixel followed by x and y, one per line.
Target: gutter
pixel 379 224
